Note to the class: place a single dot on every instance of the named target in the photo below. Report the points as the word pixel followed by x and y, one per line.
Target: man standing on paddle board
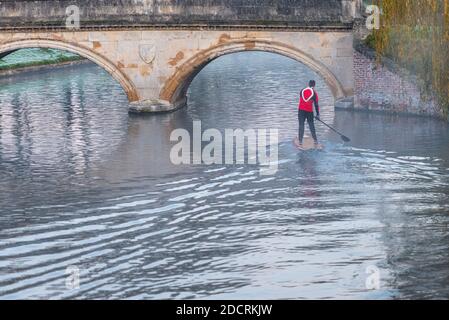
pixel 308 99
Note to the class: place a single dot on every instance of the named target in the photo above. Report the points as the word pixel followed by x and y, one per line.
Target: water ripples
pixel 138 227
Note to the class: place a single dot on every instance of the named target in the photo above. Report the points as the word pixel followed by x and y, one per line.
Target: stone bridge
pixel 154 48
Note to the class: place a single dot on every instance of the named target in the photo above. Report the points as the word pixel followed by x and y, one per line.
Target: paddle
pixel 343 137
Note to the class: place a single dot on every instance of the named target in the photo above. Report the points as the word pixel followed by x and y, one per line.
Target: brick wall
pixel 385 88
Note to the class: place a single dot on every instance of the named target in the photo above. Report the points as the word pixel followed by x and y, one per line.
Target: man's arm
pixel 317 107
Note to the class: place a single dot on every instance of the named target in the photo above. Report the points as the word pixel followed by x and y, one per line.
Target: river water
pixel 88 193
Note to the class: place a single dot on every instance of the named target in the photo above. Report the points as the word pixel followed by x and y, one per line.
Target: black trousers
pixel 302 116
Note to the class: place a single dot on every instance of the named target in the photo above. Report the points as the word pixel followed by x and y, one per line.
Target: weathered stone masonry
pixel 311 13
pixel 154 48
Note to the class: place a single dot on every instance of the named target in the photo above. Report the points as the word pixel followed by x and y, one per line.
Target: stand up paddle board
pixel 307 144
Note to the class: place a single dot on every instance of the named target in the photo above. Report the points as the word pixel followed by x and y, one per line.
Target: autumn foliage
pixel 415 34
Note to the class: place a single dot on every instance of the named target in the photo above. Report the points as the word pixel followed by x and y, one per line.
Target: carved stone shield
pixel 147 52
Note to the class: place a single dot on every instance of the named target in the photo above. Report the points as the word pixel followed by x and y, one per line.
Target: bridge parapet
pixel 334 14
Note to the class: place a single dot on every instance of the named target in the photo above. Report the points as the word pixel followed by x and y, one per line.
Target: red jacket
pixel 309 97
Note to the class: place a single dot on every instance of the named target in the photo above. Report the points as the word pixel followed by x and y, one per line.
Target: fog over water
pixel 84 184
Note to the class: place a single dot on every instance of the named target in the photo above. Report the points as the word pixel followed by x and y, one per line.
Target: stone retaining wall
pixel 387 88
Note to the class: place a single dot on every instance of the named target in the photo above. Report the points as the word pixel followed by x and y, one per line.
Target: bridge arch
pixel 87 53
pixel 175 88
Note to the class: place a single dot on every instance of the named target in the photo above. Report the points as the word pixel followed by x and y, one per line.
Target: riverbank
pixel 36 59
pixel 7 72
pixel 383 83
pixel 393 67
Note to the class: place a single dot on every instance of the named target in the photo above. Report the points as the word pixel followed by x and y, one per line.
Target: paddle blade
pixel 345 139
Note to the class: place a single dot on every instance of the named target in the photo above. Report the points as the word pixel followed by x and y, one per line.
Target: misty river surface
pixel 86 187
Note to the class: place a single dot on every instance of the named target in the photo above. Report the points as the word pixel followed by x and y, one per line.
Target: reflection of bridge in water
pixel 155 51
